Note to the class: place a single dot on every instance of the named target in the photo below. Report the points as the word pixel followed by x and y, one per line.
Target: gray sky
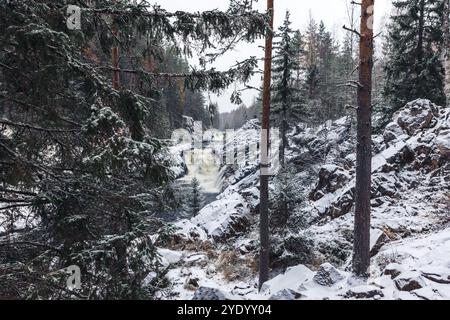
pixel 332 12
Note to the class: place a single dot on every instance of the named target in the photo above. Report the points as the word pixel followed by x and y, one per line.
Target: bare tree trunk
pixel 446 53
pixel 115 59
pixel 361 253
pixel 264 179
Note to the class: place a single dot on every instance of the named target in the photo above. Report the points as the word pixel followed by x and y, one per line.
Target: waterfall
pixel 204 165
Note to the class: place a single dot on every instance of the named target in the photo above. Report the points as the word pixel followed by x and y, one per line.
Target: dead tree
pixel 361 246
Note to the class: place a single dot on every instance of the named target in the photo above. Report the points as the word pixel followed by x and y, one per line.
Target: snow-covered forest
pixel 122 178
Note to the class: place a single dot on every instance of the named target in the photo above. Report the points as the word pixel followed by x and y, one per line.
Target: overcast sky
pixel 332 12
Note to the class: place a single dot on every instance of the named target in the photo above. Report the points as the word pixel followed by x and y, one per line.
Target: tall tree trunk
pixel 361 254
pixel 115 58
pixel 446 50
pixel 264 179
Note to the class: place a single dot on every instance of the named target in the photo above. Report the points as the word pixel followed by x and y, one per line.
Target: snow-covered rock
pixel 169 257
pixel 328 275
pixel 409 281
pixel 393 270
pixel 224 217
pixel 364 292
pixel 292 279
pixel 187 231
pixel 436 274
pixel 212 294
pixel 286 294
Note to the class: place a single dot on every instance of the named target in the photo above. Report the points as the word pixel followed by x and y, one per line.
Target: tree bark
pixel 264 178
pixel 361 250
pixel 115 58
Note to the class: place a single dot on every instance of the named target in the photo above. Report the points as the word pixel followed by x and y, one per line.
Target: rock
pixel 328 275
pixel 392 132
pixel 187 231
pixel 409 281
pixel 331 178
pixel 427 293
pixel 169 257
pixel 436 274
pixel 443 144
pixel 292 279
pixel 192 283
pixel 225 217
pixel 393 270
pixel 417 115
pixel 286 294
pixel 377 239
pixel 364 292
pixel 210 294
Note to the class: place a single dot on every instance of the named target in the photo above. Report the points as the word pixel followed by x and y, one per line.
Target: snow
pixel 292 279
pixel 216 217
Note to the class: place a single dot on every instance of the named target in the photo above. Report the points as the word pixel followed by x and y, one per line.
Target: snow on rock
pixel 417 115
pixel 436 274
pixel 223 217
pixel 328 275
pixel 169 257
pixel 409 281
pixel 364 292
pixel 377 239
pixel 187 231
pixel 393 270
pixel 292 279
pixel 286 294
pixel 212 294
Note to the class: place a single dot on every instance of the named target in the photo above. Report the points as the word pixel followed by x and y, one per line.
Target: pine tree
pixel 361 250
pixel 414 68
pixel 286 98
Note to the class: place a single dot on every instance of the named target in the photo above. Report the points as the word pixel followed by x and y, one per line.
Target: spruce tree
pixel 286 99
pixel 414 68
pixel 195 203
pixel 83 158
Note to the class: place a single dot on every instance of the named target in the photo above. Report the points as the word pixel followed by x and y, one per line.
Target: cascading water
pixel 204 165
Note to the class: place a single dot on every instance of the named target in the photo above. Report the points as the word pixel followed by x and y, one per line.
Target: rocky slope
pixel 311 251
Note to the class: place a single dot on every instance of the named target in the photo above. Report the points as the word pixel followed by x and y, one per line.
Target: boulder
pixel 377 239
pixel 187 231
pixel 417 115
pixel 364 292
pixel 427 293
pixel 409 281
pixel 443 144
pixel 286 294
pixel 225 217
pixel 392 132
pixel 393 270
pixel 292 279
pixel 436 274
pixel 328 275
pixel 331 178
pixel 210 294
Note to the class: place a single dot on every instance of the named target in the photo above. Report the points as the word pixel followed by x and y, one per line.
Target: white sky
pixel 332 12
